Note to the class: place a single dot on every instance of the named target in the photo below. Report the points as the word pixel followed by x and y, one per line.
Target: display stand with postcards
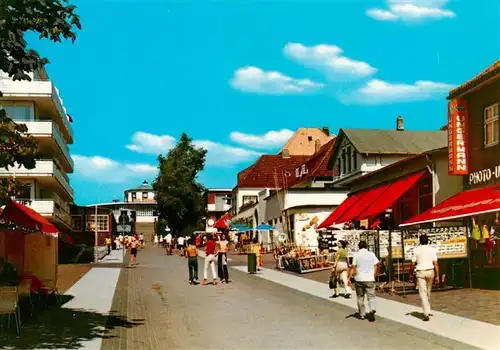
pixel 303 261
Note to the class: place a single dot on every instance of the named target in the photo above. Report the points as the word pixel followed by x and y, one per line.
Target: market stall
pixel 301 260
pixel 29 242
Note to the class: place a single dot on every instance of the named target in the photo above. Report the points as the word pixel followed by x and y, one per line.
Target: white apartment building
pixel 37 104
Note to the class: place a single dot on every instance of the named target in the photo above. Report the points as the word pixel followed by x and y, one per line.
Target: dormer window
pixel 297 172
pixel 304 169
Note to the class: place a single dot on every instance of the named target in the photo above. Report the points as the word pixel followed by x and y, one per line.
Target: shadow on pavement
pixel 55 327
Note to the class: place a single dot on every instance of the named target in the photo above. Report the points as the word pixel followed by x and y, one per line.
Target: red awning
pixel 222 222
pixel 28 218
pixel 395 191
pixel 341 209
pixel 363 203
pixel 463 204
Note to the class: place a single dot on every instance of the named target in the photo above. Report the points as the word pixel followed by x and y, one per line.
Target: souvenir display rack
pixel 303 261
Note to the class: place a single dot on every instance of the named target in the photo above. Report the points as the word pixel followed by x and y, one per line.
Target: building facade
pixel 358 152
pixel 37 104
pixel 218 203
pixel 474 135
pixel 83 225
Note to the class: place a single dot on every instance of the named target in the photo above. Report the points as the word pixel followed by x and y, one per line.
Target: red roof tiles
pixel 317 164
pixel 271 171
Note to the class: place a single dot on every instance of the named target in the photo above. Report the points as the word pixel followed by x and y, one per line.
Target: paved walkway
pixel 249 313
pixel 474 333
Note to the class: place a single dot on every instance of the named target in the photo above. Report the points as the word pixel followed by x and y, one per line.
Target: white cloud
pixel 143 142
pixel 107 170
pixel 269 140
pixel 330 60
pixel 379 92
pixel 255 80
pixel 412 11
pixel 218 154
pixel 223 155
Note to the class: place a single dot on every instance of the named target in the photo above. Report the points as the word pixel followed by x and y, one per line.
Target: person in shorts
pixel 133 251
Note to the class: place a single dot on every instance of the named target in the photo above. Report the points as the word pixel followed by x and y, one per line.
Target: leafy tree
pixel 180 197
pixel 51 19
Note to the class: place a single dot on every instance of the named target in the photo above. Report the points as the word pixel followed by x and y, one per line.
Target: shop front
pixel 474 156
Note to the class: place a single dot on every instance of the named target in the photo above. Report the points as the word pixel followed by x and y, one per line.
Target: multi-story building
pixel 218 204
pixel 139 205
pixel 37 104
pixel 357 152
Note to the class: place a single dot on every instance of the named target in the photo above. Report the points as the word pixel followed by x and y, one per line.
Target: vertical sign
pixel 458 158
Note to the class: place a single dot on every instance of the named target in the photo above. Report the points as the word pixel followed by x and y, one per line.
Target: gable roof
pixel 144 187
pixel 490 72
pixel 317 164
pixel 263 173
pixel 380 141
pixel 300 145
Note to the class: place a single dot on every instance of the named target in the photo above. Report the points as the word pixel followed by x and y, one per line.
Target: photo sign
pixel 353 237
pixel 458 158
pixel 451 242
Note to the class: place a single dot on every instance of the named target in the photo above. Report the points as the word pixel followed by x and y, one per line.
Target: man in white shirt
pixel 180 244
pixel 426 261
pixel 168 240
pixel 365 269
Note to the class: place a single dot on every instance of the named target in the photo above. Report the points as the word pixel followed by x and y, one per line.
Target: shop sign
pixel 458 160
pixel 484 176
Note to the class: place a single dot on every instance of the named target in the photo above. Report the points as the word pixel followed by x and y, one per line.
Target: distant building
pixel 307 141
pixel 218 203
pixel 139 205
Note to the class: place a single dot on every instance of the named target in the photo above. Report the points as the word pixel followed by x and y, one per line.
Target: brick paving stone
pixel 477 304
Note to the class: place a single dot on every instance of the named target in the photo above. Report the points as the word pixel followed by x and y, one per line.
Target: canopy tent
pixel 223 222
pixel 340 210
pixel 463 204
pixel 33 245
pixel 23 216
pixel 264 227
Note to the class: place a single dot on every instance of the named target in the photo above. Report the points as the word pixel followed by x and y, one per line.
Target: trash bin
pixel 252 263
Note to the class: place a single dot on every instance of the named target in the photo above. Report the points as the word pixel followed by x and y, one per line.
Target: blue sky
pixel 240 76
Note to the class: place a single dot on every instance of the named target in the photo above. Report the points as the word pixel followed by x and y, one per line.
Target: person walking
pixel 168 240
pixel 425 261
pixel 108 244
pixel 134 244
pixel 223 245
pixel 340 271
pixel 141 238
pixel 180 244
pixel 210 259
pixel 365 269
pixel 192 256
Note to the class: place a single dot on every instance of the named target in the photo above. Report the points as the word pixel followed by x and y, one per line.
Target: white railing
pixel 58 102
pixel 49 128
pixel 42 168
pixel 48 207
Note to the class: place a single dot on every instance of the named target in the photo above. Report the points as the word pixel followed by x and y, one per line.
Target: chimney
pixel 326 130
pixel 285 153
pixel 317 145
pixel 400 126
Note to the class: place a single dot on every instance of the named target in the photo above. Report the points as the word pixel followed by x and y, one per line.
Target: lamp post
pixel 96 237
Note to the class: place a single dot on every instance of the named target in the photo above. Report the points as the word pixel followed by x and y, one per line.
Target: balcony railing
pixel 51 207
pixel 42 168
pixel 49 128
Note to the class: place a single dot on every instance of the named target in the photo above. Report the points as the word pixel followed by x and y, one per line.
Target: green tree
pixel 51 19
pixel 180 197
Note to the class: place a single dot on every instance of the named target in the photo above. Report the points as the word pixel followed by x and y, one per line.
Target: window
pixel 144 195
pixel 336 170
pixel 491 125
pixel 349 160
pixel 102 223
pixel 304 169
pixel 344 168
pixel 354 159
pixel 77 223
pixel 249 199
pixel 134 196
pixel 18 112
pixel 297 172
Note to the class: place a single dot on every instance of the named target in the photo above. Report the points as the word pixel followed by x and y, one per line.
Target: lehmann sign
pixel 458 160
